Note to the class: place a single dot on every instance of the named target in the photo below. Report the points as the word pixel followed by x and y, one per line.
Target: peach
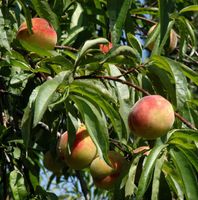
pixel 105 47
pixel 52 163
pixel 43 35
pixel 83 149
pixel 104 175
pixel 172 40
pixel 151 117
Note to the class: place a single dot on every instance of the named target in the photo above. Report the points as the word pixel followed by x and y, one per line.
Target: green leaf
pixel 187 134
pixel 95 124
pixel 65 63
pixel 156 177
pixel 102 98
pixel 173 179
pixel 27 13
pixel 164 6
pixel 117 13
pixel 121 50
pixel 145 10
pixel 135 43
pixel 148 167
pixel 26 124
pixel 181 86
pixel 44 10
pixel 189 8
pixel 22 65
pixel 20 78
pixel 187 174
pixel 191 155
pixel 188 72
pixel 87 45
pixel 153 38
pixel 72 34
pixel 130 183
pixel 3 35
pixel 17 185
pixel 77 16
pixel 123 94
pixel 40 51
pixel 45 94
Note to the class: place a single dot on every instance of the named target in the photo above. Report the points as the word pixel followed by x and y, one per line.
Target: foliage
pixel 42 94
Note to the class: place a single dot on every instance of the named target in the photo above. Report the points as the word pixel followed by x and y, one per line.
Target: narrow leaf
pixel 187 174
pixel 45 94
pixel 117 13
pixel 189 8
pixel 44 10
pixel 89 44
pixel 95 123
pixel 100 96
pixel 17 185
pixel 156 177
pixel 148 167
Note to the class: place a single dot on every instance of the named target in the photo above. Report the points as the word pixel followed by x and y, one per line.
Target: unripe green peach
pixel 172 40
pixel 104 175
pixel 151 117
pixel 52 163
pixel 83 150
pixel 43 35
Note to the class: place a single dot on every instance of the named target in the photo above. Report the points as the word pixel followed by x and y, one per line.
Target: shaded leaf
pixel 187 174
pixel 45 94
pixel 44 10
pixel 148 168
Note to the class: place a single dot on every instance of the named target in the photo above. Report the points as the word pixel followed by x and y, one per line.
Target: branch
pixel 65 47
pixel 185 121
pixel 136 88
pixel 130 71
pixel 144 18
pixel 83 185
pixel 117 80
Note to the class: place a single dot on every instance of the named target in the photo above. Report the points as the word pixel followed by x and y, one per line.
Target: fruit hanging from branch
pixel 151 117
pixel 105 48
pixel 82 152
pixel 52 163
pixel 104 175
pixel 43 35
pixel 172 40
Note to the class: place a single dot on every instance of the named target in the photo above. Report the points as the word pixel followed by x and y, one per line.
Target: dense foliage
pixel 45 93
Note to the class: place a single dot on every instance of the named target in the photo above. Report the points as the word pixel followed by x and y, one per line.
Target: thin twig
pixel 117 80
pixel 143 18
pixel 66 47
pixel 136 88
pixel 130 71
pixel 185 121
pixel 83 185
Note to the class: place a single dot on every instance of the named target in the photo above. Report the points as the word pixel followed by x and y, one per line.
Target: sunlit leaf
pixel 17 185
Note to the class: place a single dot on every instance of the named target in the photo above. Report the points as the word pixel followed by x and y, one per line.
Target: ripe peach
pixel 151 117
pixel 52 163
pixel 105 176
pixel 83 150
pixel 43 35
pixel 105 47
pixel 172 40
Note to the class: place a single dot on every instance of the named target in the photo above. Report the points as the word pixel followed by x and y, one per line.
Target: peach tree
pixel 90 62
